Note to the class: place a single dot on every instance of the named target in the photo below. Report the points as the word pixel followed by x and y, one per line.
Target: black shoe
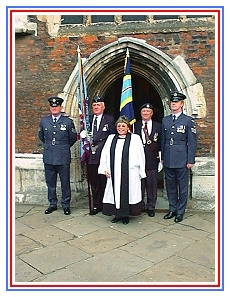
pixel 125 220
pixel 50 209
pixel 96 210
pixel 151 213
pixel 67 211
pixel 178 218
pixel 170 215
pixel 115 220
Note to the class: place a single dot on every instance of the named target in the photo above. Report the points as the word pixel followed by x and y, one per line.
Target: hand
pixel 189 166
pixel 83 134
pixel 107 174
pixel 160 166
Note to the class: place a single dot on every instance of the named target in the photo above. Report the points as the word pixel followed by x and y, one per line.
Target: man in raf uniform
pixel 179 142
pixel 102 125
pixel 149 132
pixel 57 132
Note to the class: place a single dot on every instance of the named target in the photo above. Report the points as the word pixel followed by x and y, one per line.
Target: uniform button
pixel 172 132
pixel 54 132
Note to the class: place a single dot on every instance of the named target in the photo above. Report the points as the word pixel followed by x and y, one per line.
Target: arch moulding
pixel 107 64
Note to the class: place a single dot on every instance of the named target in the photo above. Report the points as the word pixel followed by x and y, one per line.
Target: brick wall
pixel 43 65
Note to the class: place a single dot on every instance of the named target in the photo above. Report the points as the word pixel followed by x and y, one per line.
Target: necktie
pixel 55 120
pixel 95 128
pixel 146 128
pixel 174 118
pixel 146 132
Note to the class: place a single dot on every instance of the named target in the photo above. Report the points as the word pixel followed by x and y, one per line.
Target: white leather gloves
pixel 83 134
pixel 160 165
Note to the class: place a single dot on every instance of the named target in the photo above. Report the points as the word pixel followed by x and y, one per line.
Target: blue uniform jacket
pixel 57 139
pixel 179 141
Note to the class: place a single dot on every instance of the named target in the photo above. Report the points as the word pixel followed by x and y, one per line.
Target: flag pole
pixel 83 109
pixel 89 190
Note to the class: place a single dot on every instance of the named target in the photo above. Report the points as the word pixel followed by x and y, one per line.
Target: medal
pixel 93 149
pixel 63 127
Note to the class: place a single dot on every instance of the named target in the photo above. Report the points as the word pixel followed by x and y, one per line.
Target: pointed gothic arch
pixel 149 64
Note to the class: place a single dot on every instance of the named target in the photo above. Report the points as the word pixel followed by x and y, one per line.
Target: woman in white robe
pixel 123 163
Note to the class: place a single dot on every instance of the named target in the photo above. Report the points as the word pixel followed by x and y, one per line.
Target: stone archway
pixel 150 67
pixel 161 74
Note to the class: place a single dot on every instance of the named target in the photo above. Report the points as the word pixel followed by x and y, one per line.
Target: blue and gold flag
pixel 126 105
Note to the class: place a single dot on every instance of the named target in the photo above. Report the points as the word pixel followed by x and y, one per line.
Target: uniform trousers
pixel 51 172
pixel 97 183
pixel 176 180
pixel 149 185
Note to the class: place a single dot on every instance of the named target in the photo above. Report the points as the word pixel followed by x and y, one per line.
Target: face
pixel 176 106
pixel 55 110
pixel 146 114
pixel 98 108
pixel 122 128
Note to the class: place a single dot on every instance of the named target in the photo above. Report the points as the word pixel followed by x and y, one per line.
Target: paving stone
pixel 51 258
pixel 157 246
pixel 48 235
pixel 24 272
pixel 24 244
pixel 112 266
pixel 64 276
pixel 101 241
pixel 177 270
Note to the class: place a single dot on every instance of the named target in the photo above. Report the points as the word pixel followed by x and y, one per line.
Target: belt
pixel 55 142
pixel 171 141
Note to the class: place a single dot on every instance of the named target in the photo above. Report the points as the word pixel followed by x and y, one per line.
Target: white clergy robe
pixel 136 169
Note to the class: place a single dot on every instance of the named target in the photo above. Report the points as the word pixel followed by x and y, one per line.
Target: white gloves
pixel 83 134
pixel 160 165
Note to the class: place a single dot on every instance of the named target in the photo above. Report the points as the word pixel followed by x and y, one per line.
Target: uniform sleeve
pixel 72 133
pixel 162 139
pixel 159 139
pixel 40 132
pixel 191 141
pixel 112 127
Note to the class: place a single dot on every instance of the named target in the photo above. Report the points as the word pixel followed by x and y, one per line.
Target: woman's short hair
pixel 123 119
